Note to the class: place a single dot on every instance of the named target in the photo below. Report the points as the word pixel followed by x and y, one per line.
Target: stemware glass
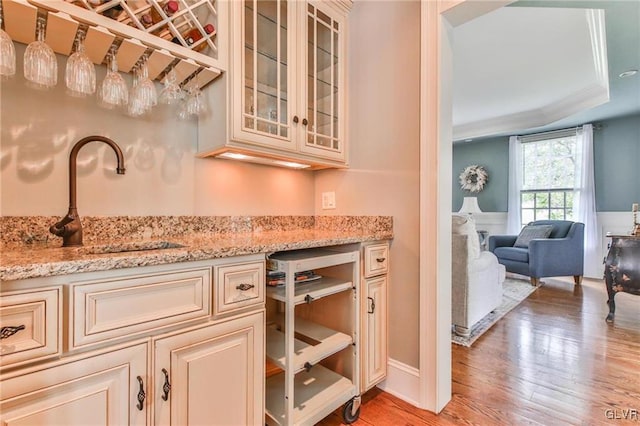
pixel 143 95
pixel 113 91
pixel 7 52
pixel 80 75
pixel 40 62
pixel 194 103
pixel 171 93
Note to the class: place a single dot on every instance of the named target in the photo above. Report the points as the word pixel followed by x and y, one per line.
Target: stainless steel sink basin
pixel 128 247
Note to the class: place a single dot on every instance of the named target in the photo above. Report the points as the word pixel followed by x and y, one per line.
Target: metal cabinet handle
pixel 308 298
pixel 295 119
pixel 141 394
pixel 166 388
pixel 373 305
pixel 244 287
pixel 9 331
pixel 380 259
pixel 305 122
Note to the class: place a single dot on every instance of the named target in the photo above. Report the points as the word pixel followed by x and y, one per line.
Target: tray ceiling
pixel 521 68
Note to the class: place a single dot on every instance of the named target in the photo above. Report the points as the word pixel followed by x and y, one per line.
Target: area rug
pixel 515 291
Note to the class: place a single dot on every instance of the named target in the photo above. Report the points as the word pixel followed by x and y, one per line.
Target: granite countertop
pixel 41 260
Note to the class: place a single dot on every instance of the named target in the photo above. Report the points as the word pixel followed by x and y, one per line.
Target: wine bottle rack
pixel 129 36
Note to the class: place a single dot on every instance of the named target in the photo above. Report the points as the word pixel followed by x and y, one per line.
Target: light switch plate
pixel 328 200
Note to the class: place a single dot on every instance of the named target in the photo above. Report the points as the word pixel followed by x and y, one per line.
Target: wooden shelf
pixel 64 19
pixel 329 342
pixel 317 393
pixel 308 259
pixel 314 289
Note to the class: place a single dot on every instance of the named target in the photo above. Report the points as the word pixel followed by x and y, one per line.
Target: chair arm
pixel 555 254
pixel 496 241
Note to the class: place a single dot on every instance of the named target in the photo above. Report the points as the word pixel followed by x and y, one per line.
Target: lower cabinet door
pixel 97 389
pixel 212 375
pixel 374 361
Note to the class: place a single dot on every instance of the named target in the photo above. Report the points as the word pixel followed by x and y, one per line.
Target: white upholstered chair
pixel 476 277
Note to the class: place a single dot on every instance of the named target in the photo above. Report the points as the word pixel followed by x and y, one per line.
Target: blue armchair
pixel 562 254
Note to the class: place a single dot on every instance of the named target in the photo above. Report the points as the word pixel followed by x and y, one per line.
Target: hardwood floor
pixel 553 360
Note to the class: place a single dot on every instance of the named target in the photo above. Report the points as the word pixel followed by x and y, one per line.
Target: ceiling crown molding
pixel 592 95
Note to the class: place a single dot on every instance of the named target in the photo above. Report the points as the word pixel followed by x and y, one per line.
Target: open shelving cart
pixel 312 335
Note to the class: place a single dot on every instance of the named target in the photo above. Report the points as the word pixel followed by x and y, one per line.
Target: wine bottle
pixel 194 35
pixel 169 8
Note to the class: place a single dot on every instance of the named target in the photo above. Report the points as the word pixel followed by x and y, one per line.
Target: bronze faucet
pixel 70 228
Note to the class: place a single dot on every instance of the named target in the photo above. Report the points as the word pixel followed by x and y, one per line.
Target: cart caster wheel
pixel 346 413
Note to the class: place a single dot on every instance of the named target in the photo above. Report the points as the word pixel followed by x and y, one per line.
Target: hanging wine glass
pixel 7 51
pixel 143 95
pixel 171 93
pixel 40 62
pixel 194 104
pixel 80 75
pixel 113 91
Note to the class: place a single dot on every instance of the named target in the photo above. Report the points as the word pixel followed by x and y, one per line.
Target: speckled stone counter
pixel 28 251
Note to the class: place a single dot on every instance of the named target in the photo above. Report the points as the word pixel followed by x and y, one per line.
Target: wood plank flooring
pixel 553 360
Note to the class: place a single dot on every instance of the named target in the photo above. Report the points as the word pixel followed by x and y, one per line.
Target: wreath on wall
pixel 473 178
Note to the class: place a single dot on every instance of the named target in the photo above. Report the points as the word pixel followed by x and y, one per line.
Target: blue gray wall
pixel 493 155
pixel 616 147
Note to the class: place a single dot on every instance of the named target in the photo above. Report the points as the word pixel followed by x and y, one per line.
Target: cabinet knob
pixel 9 331
pixel 305 122
pixel 244 287
pixel 141 394
pixel 295 119
pixel 166 388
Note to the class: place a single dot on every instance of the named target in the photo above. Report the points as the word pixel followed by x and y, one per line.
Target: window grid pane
pixel 548 179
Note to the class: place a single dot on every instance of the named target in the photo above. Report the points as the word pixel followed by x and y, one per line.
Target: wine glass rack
pixel 163 41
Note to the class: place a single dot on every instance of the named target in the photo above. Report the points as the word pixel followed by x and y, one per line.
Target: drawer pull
pixel 166 388
pixel 373 305
pixel 141 394
pixel 244 287
pixel 380 259
pixel 7 332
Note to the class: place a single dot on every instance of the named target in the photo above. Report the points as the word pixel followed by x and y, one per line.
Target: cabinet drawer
pixel 239 286
pixel 126 306
pixel 376 260
pixel 31 323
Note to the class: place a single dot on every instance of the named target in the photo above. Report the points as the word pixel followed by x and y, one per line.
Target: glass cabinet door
pixel 324 44
pixel 265 68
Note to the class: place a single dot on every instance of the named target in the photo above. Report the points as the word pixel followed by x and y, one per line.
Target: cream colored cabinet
pixel 286 86
pixel 211 375
pixel 206 366
pixel 374 331
pixel 102 388
pixel 374 314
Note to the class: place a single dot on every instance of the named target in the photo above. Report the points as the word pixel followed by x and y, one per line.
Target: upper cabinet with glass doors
pixel 286 83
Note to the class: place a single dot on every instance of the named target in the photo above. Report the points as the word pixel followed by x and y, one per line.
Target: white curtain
pixel 584 201
pixel 514 222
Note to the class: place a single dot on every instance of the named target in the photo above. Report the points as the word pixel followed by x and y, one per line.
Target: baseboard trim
pixel 403 381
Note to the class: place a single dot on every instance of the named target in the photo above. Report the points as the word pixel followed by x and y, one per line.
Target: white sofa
pixel 476 277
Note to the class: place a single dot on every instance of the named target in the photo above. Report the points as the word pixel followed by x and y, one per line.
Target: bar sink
pixel 129 247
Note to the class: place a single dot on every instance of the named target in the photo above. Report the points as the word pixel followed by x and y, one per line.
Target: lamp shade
pixel 470 206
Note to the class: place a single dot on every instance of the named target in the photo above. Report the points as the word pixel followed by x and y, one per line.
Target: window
pixel 549 168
